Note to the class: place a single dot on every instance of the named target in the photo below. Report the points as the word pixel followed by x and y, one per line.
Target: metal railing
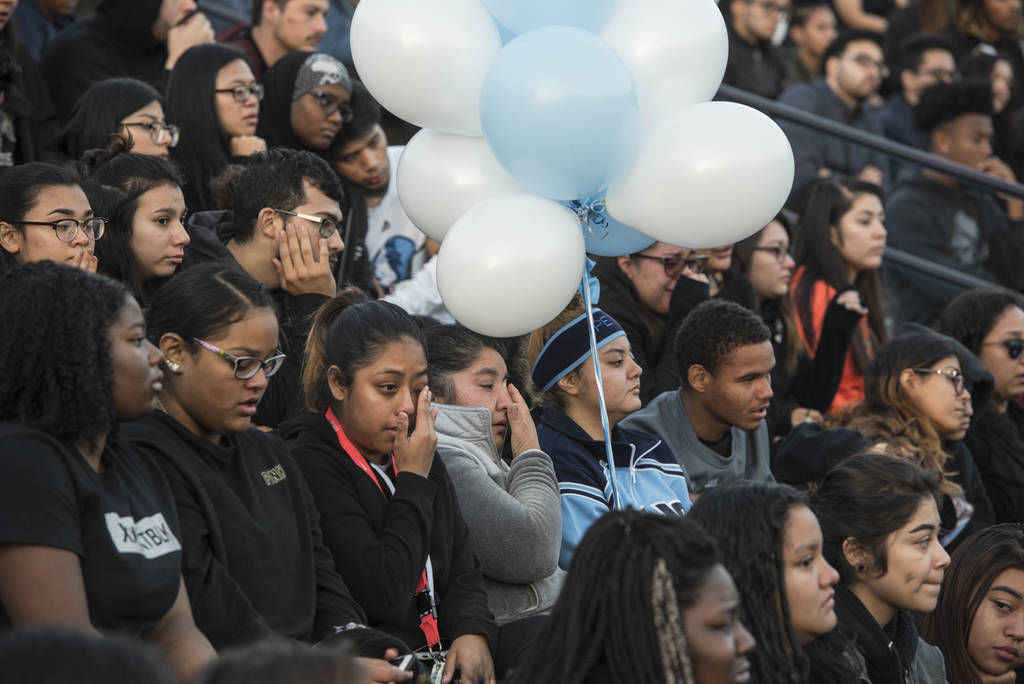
pixel 894 258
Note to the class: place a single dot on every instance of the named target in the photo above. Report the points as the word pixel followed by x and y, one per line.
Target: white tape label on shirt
pixel 150 537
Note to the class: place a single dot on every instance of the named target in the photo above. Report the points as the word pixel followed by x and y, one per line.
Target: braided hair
pixel 56 371
pixel 621 609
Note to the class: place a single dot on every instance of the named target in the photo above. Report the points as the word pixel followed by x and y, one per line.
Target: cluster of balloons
pixel 556 128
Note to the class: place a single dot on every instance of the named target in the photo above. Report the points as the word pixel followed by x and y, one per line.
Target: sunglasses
pixel 1014 346
pixel 674 265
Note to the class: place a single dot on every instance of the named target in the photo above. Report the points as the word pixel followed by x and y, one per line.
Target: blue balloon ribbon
pixel 605 426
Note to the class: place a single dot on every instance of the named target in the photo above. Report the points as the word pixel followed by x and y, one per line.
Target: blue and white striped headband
pixel 570 346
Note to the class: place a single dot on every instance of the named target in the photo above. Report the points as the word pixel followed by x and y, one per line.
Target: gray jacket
pixel 666 417
pixel 513 513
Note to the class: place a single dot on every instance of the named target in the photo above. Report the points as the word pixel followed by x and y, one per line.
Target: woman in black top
pixel 89 536
pixel 254 560
pixel 991 325
pixel 803 387
pixel 390 513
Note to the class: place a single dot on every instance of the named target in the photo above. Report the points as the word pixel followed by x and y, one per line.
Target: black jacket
pixel 759 69
pixel 813 382
pixel 116 41
pixel 996 442
pixel 209 231
pixel 254 559
pixel 651 336
pixel 37 130
pixel 962 228
pixel 381 544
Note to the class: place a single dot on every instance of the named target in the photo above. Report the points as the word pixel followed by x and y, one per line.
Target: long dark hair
pixel 56 370
pixel 975 565
pixel 866 498
pixel 748 520
pixel 19 189
pixel 827 202
pixel 621 609
pixel 776 307
pixel 349 332
pixel 205 148
pixel 116 181
pixel 98 114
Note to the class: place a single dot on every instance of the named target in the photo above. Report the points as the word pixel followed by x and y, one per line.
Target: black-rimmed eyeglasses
pixel 675 265
pixel 67 229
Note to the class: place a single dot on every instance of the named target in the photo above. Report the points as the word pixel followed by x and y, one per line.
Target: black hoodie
pixel 116 41
pixel 381 544
pixel 254 559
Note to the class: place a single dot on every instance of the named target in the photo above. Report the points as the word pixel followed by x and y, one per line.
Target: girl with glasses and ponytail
pixel 253 554
pixel 990 324
pixel 571 432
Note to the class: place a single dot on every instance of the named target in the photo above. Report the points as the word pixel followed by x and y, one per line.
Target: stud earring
pixel 173 367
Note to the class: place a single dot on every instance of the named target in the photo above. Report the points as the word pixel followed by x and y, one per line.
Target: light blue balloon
pixel 559 110
pixel 520 16
pixel 604 235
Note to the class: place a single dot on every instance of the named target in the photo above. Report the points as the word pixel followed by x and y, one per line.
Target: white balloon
pixel 510 264
pixel 709 175
pixel 675 49
pixel 441 176
pixel 426 61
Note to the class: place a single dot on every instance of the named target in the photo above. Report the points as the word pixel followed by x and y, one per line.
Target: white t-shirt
pixel 393 242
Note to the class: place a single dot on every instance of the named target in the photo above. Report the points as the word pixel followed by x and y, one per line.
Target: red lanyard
pixel 424 597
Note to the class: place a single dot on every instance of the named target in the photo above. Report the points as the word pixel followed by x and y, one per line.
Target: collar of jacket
pixel 466 424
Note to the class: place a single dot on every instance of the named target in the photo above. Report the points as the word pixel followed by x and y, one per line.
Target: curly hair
pixel 748 520
pixel 944 102
pixel 712 331
pixel 633 576
pixel 972 315
pixel 56 371
pixel 888 415
pixel 276 179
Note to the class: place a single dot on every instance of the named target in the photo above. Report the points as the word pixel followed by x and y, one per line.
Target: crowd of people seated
pixel 243 440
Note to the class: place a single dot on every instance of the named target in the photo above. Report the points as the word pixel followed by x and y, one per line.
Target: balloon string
pixel 617 501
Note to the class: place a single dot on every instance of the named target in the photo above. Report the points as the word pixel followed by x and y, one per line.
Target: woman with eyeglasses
pixel 990 324
pixel 119 107
pixel 253 556
pixel 214 99
pixel 146 237
pixel 840 241
pixel 803 386
pixel 45 214
pixel 307 103
pixel 917 405
pixel 649 294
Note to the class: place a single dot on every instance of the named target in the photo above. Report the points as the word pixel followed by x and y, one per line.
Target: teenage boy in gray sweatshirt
pixel 714 423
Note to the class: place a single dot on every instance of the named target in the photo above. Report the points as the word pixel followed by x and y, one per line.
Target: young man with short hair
pixel 714 423
pixel 925 59
pixel 934 216
pixel 755 64
pixel 278 27
pixel 402 258
pixel 283 232
pixel 854 68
